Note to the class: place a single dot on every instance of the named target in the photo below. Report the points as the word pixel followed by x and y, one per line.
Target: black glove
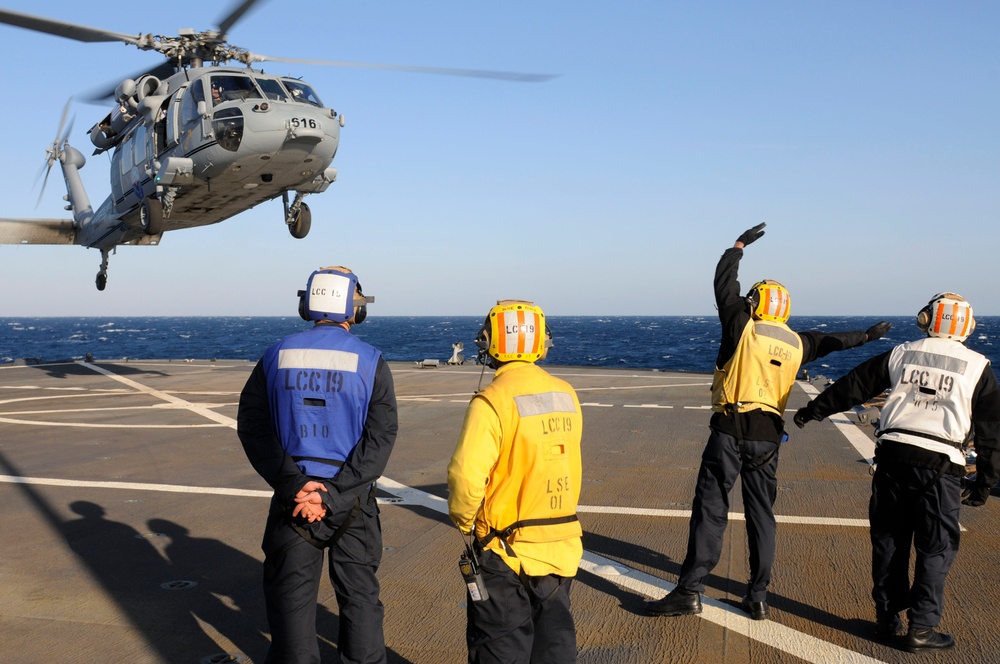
pixel 975 495
pixel 749 236
pixel 878 330
pixel 802 416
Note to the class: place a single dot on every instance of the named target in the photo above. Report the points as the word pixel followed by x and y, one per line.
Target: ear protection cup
pixel 924 319
pixel 360 312
pixel 303 314
pixel 483 343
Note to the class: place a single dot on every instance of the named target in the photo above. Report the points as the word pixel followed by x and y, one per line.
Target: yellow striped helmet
pixel 513 330
pixel 769 300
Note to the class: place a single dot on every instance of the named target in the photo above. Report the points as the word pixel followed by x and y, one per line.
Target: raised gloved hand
pixel 878 330
pixel 975 495
pixel 802 416
pixel 751 235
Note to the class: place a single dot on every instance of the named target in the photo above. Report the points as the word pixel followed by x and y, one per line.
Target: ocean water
pixel 668 343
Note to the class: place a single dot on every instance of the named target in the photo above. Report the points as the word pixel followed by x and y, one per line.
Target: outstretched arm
pixel 986 425
pixel 862 383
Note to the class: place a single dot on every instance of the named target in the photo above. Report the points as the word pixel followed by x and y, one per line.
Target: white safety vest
pixel 930 403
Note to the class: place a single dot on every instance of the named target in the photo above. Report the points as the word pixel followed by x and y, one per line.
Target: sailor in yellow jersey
pixel 513 486
pixel 759 357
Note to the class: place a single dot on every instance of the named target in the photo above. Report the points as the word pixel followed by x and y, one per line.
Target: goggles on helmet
pixel 334 294
pixel 947 316
pixel 514 330
pixel 769 300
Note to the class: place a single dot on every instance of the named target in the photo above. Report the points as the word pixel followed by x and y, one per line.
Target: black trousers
pixel 293 569
pixel 915 507
pixel 721 463
pixel 518 624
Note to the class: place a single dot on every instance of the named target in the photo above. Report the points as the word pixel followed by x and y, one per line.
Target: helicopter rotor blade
pixel 68 30
pixel 443 71
pixel 241 8
pixel 52 152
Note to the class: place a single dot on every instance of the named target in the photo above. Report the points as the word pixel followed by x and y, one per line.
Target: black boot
pixel 676 603
pixel 888 626
pixel 919 639
pixel 756 610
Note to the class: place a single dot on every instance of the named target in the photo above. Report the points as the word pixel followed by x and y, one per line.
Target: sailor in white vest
pixel 940 394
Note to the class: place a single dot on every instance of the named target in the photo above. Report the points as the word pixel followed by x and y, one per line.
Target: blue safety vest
pixel 319 386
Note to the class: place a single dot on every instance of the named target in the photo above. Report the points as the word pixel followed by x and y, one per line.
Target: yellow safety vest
pixel 529 506
pixel 761 373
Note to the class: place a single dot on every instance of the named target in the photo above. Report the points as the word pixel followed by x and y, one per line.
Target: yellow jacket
pixel 518 459
pixel 761 373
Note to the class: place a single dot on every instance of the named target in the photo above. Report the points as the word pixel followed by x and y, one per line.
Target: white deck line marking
pixel 613 388
pixel 768 632
pixel 598 405
pixel 158 406
pixel 644 405
pixel 194 408
pixel 733 516
pixel 796 643
pixel 858 440
pixel 778 636
pixel 850 431
pixel 136 486
pixel 85 425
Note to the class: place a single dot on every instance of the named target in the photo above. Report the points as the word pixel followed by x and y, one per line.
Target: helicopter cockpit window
pixel 302 92
pixel 232 87
pixel 272 89
pixel 139 145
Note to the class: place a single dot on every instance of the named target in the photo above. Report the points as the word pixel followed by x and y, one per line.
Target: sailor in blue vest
pixel 317 419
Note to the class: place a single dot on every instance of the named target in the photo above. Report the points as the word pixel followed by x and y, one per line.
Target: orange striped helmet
pixel 769 300
pixel 514 330
pixel 948 316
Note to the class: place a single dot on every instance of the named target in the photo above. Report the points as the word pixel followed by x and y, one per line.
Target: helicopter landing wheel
pixel 151 216
pixel 102 280
pixel 303 222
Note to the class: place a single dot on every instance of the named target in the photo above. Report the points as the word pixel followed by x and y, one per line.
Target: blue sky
pixel 863 133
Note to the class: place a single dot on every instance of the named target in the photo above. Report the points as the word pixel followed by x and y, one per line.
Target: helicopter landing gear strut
pixel 298 216
pixel 102 275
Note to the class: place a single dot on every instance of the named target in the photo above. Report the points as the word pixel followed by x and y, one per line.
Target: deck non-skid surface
pixel 132 524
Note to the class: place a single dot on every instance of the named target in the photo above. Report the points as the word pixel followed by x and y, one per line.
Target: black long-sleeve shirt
pixel 734 314
pixel 871 378
pixel 364 465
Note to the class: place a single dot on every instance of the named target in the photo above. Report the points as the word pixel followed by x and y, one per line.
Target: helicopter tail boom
pixel 37 231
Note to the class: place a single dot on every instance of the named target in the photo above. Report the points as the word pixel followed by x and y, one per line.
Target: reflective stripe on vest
pixel 930 402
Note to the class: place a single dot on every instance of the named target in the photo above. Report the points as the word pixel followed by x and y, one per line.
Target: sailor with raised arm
pixel 759 357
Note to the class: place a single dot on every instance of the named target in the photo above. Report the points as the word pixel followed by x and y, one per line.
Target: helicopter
pixel 194 141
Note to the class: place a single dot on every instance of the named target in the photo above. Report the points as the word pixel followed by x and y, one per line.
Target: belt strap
pixel 329 462
pixel 920 434
pixel 504 533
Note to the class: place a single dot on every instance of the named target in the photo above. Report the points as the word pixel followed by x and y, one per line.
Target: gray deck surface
pixel 132 520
